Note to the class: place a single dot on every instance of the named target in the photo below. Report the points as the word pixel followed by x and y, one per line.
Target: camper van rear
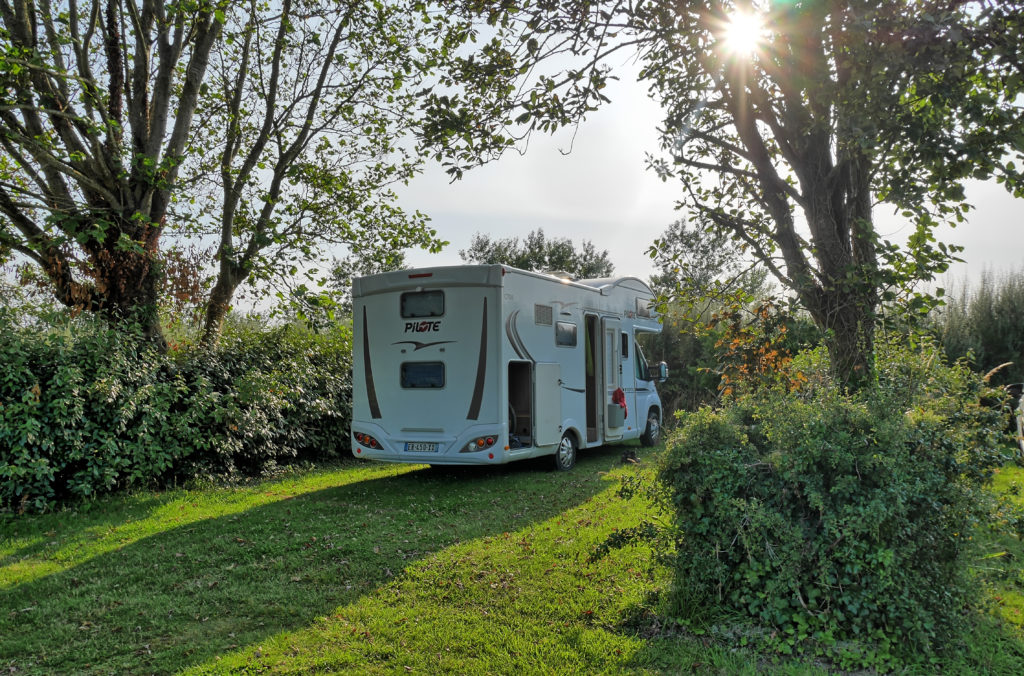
pixel 488 364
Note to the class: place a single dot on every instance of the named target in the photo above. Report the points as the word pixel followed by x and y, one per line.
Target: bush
pixel 271 395
pixel 709 355
pixel 83 410
pixel 86 409
pixel 834 518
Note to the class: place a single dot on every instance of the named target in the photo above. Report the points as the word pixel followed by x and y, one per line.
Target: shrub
pixel 726 348
pixel 86 409
pixel 832 517
pixel 271 395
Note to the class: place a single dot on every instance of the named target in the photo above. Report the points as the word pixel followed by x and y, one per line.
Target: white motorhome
pixel 485 364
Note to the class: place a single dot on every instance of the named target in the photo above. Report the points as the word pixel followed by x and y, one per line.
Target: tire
pixel 652 433
pixel 565 455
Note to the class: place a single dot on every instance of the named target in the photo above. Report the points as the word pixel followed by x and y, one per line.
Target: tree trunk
pixel 119 282
pixel 127 283
pixel 847 321
pixel 220 302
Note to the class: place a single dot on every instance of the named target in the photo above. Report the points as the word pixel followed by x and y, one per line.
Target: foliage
pixel 824 518
pixel 689 351
pixel 540 254
pixel 985 323
pixel 273 130
pixel 754 347
pixel 86 409
pixel 698 263
pixel 729 347
pixel 787 139
pixel 692 253
pixel 273 394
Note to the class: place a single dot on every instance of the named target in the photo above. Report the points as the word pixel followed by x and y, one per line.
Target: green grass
pixel 161 582
pixel 375 568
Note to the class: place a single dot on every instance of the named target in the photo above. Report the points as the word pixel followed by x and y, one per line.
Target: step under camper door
pixel 547 399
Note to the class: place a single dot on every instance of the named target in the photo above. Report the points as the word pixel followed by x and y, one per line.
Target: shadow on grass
pixel 100 516
pixel 190 593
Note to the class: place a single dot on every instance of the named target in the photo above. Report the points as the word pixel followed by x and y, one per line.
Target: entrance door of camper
pixel 614 419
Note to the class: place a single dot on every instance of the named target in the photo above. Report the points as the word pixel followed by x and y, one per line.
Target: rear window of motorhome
pixel 422 304
pixel 422 374
pixel 565 334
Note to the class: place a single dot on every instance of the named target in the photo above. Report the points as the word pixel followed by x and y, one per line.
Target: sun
pixel 743 34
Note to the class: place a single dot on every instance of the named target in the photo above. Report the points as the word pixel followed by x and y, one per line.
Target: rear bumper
pixel 391 447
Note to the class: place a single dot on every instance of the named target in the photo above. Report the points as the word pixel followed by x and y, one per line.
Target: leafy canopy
pixel 790 142
pixel 540 254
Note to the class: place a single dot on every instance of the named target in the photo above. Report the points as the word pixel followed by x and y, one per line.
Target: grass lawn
pixel 375 568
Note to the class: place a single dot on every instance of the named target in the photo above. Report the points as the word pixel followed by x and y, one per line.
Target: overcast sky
pixel 601 191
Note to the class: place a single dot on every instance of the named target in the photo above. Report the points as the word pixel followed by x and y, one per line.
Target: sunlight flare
pixel 743 34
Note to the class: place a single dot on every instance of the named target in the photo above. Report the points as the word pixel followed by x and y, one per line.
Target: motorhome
pixel 486 364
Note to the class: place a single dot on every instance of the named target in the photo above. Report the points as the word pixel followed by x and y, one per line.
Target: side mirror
pixel 658 372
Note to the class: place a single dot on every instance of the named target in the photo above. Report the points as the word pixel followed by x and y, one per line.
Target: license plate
pixel 420 447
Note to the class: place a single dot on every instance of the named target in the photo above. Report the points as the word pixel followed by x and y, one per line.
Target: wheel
pixel 652 434
pixel 565 456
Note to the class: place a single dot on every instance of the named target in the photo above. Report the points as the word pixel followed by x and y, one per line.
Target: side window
pixel 625 346
pixel 417 304
pixel 565 334
pixel 641 364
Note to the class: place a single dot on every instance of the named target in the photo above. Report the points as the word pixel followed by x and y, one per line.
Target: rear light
pixel 479 444
pixel 366 440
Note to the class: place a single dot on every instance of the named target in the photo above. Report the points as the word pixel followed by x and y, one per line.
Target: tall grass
pixel 984 322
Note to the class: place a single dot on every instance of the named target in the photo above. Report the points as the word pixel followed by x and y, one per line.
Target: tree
pixel 837 106
pixel 96 105
pixel 540 254
pixel 698 261
pixel 308 106
pixel 308 111
pixel 983 322
pixel 790 137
